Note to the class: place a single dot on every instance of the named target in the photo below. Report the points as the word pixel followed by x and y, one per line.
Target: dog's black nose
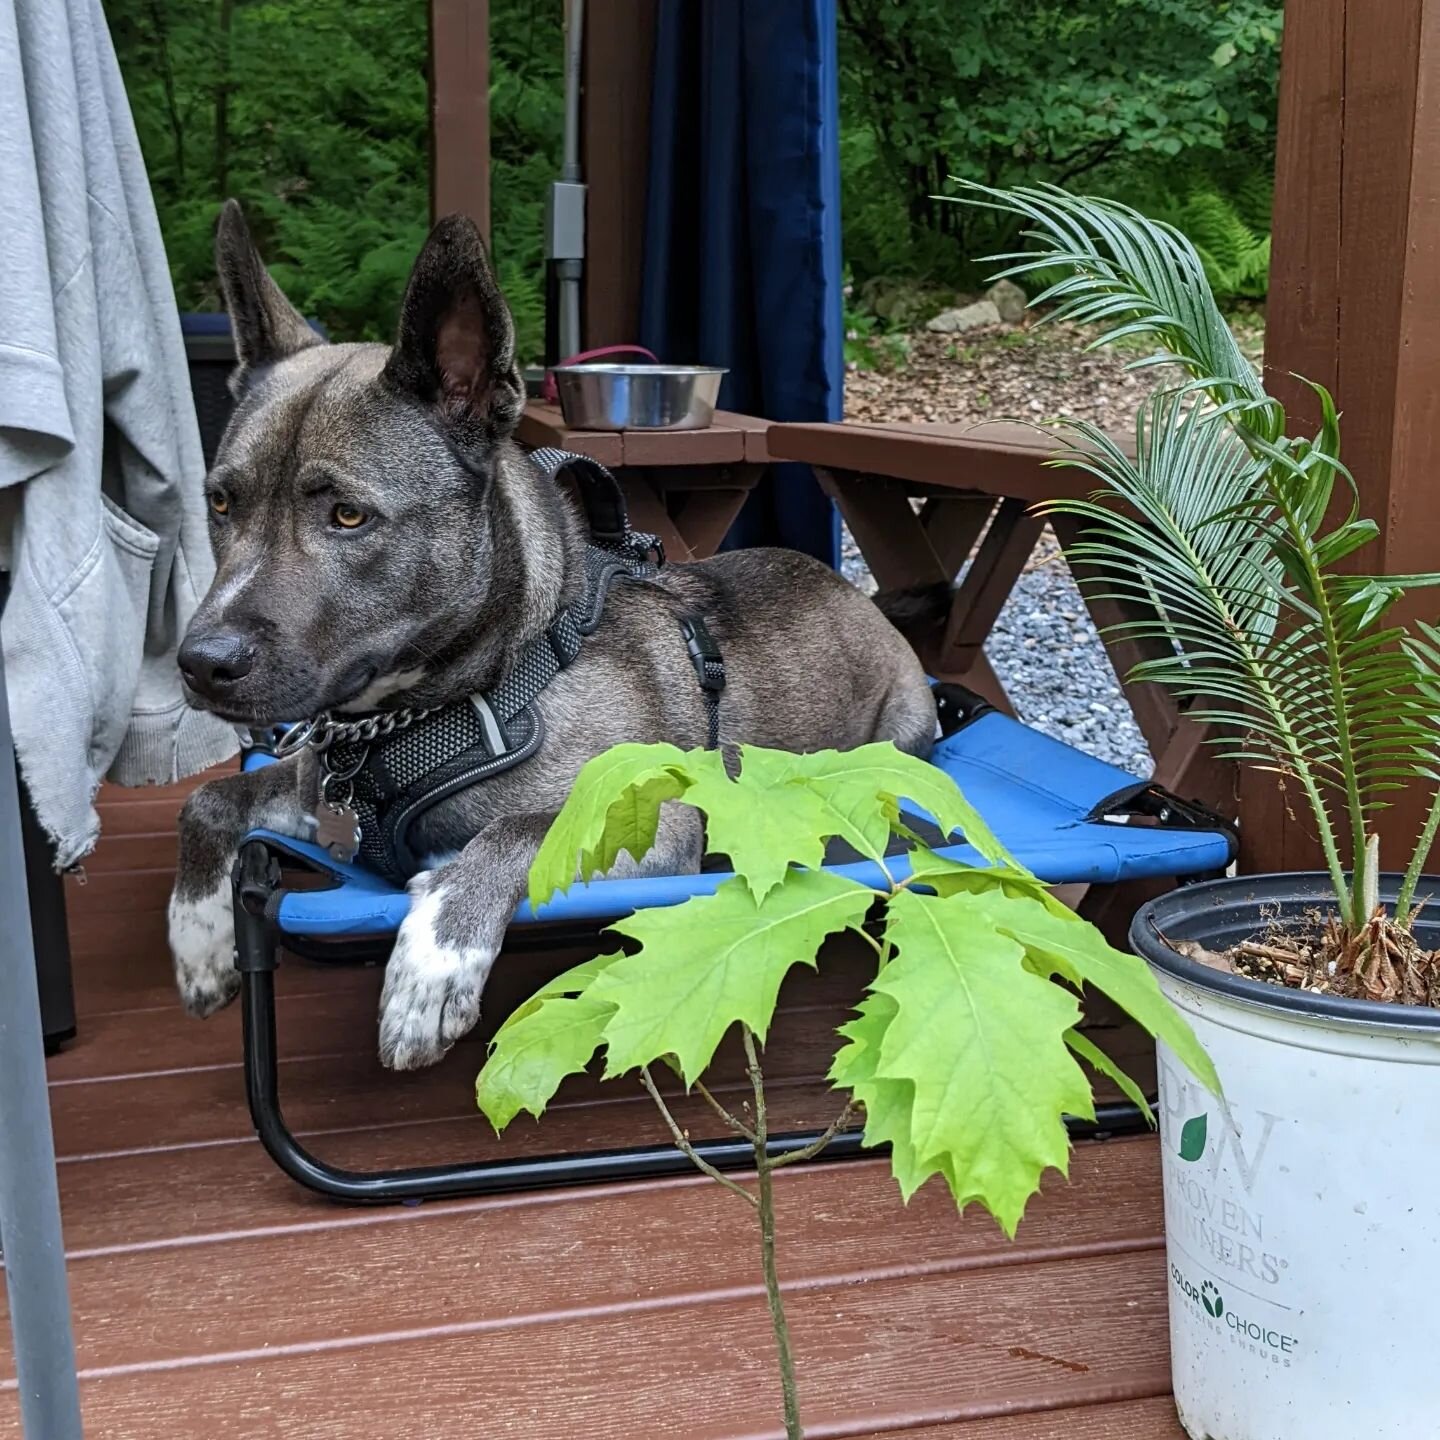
pixel 211 663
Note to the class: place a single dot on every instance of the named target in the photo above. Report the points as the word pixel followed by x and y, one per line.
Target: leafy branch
pixel 963 1052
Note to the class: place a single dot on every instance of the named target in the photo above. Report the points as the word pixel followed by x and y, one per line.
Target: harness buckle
pixel 1145 800
pixel 704 653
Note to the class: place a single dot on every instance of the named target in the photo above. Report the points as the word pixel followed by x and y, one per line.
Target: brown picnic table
pixel 922 499
pixel 686 486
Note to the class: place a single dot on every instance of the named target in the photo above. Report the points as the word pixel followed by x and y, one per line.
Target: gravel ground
pixel 1044 646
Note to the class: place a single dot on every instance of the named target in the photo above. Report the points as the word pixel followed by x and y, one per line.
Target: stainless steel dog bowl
pixel 637 397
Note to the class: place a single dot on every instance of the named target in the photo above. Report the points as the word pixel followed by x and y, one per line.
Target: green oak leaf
pixel 715 960
pixel 763 834
pixel 851 780
pixel 571 982
pixel 534 1052
pixel 1090 1052
pixel 889 1104
pixel 950 877
pixel 982 1039
pixel 631 821
pixel 857 813
pixel 898 826
pixel 614 805
pixel 1065 944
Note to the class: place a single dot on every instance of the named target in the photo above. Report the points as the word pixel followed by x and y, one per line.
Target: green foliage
pixel 678 998
pixel 552 1035
pixel 979 1038
pixel 1151 100
pixel 868 344
pixel 617 811
pixel 1234 251
pixel 1221 537
pixel 315 117
pixel 963 1049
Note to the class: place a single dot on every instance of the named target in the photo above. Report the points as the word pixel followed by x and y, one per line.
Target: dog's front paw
pixel 202 942
pixel 433 982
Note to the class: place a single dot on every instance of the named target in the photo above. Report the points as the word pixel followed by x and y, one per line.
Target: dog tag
pixel 337 829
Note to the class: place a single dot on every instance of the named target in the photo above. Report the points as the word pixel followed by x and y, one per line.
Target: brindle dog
pixel 382 542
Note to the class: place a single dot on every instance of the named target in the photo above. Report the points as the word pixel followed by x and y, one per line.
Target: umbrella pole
pixel 29 1192
pixel 565 203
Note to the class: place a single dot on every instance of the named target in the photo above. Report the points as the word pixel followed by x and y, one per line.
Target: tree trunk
pixel 223 87
pixel 160 20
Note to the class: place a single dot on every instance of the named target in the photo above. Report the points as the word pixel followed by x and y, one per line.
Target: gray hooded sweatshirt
pixel 102 516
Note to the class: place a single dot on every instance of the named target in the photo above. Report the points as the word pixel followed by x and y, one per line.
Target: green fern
pixel 1254 198
pixel 1236 256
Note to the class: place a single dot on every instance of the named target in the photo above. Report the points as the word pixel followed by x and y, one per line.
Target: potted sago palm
pixel 1303 1229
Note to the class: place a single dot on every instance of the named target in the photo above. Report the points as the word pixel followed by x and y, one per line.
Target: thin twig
pixel 757 1081
pixel 685 1147
pixel 869 939
pixel 764 1167
pixel 734 1122
pixel 818 1144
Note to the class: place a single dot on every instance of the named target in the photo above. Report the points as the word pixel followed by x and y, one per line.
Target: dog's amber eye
pixel 219 502
pixel 349 517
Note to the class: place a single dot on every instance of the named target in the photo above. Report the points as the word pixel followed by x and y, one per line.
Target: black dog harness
pixel 381 772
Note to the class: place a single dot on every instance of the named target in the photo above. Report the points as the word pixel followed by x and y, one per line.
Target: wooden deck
pixel 214 1299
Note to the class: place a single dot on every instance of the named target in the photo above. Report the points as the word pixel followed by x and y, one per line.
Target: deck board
pixel 212 1297
pixel 692 1231
pixel 1152 1419
pixel 618 1372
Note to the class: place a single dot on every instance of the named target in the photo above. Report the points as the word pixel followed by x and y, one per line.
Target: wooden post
pixel 1355 303
pixel 615 157
pixel 460 110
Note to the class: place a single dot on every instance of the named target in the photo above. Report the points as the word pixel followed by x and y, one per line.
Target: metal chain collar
pixel 323 731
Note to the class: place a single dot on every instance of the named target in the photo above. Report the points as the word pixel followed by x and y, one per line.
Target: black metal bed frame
pixel 258 893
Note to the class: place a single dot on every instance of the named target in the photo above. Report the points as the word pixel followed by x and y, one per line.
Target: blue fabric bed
pixel 1045 800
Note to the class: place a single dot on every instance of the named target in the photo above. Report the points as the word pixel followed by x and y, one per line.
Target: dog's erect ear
pixel 456 345
pixel 266 326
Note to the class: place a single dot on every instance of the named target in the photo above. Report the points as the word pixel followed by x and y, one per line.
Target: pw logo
pixel 1210 1299
pixel 1238 1143
pixel 1192 1137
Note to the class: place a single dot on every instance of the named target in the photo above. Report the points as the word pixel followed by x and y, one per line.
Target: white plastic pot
pixel 1302 1213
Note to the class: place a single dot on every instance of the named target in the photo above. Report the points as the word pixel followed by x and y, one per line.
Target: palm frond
pixel 1215 536
pixel 1178 534
pixel 1129 274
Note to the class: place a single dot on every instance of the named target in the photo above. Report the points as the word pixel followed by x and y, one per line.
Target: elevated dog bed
pixel 1067 816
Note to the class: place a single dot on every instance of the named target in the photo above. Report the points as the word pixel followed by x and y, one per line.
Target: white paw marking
pixel 202 942
pixel 432 989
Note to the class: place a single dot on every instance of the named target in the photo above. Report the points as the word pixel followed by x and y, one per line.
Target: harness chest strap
pixel 380 773
pixel 709 666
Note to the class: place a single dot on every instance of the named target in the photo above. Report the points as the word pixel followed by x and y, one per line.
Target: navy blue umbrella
pixel 742 264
